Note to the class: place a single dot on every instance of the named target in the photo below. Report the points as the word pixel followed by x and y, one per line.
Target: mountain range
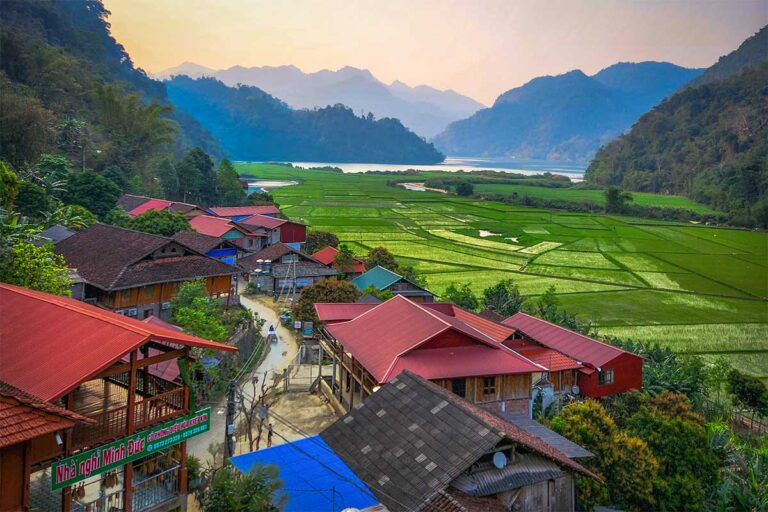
pixel 564 117
pixel 708 141
pixel 423 109
pixel 253 125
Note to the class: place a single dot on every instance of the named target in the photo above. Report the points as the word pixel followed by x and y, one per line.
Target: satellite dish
pixel 499 460
pixel 575 389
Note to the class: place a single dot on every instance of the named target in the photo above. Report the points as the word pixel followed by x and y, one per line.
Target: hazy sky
pixel 480 48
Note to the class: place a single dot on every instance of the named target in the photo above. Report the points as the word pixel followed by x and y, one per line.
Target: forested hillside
pixel 564 117
pixel 708 142
pixel 253 125
pixel 67 87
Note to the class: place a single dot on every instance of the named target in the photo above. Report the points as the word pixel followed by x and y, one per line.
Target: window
pixel 459 387
pixel 605 377
pixel 489 388
pixel 149 291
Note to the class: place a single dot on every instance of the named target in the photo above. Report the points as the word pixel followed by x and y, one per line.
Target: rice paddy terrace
pixel 698 290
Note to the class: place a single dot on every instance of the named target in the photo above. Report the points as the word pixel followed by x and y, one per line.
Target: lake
pixel 574 170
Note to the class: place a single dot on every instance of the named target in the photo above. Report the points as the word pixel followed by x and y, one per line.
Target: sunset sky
pixel 480 48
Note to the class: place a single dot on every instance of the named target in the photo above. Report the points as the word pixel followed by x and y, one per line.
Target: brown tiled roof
pixel 129 201
pixel 410 439
pixel 24 416
pixel 302 269
pixel 181 207
pixel 199 242
pixel 272 253
pixel 110 258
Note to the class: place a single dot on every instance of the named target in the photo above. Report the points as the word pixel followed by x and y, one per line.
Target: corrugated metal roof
pixel 341 312
pixel 575 345
pixel 237 211
pixel 50 344
pixel 495 330
pixel 378 277
pixel 526 469
pixel 262 221
pixel 552 438
pixel 327 255
pixel 212 226
pixel 551 359
pixel 152 204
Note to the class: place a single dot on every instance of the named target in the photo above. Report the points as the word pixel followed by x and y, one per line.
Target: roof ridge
pixel 413 347
pixel 566 329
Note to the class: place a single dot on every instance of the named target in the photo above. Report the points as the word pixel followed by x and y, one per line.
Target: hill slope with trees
pixel 564 117
pixel 253 125
pixel 708 141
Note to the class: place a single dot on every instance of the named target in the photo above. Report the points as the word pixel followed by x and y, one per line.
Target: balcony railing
pixel 113 422
pixel 156 489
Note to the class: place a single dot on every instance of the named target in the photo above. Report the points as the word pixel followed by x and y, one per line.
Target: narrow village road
pixel 280 355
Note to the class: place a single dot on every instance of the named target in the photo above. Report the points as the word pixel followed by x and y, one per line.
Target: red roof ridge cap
pixel 569 330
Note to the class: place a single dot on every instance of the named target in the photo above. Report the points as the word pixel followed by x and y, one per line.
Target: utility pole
pixel 229 428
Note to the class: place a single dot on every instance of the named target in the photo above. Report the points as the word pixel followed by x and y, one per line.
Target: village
pixel 394 400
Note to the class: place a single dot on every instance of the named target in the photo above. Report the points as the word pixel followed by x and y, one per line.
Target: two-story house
pixel 136 274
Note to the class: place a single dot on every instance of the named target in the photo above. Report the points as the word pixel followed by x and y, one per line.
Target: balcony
pixel 106 402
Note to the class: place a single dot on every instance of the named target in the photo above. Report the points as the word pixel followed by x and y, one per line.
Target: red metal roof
pixel 237 211
pixel 212 226
pixel 499 332
pixel 152 204
pixel 263 221
pixel 50 344
pixel 379 337
pixel 327 256
pixel 465 361
pixel 338 312
pixel 581 348
pixel 24 417
pixel 549 358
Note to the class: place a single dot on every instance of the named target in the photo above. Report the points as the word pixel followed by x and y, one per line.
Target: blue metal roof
pixel 378 277
pixel 314 477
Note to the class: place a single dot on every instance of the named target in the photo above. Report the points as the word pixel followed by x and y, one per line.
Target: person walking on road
pixel 269 435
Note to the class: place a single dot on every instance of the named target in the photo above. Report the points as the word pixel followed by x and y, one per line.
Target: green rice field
pixel 696 289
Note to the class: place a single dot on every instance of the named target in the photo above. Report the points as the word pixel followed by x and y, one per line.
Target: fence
pixel 748 420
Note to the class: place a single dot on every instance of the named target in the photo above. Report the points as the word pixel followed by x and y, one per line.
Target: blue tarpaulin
pixel 314 478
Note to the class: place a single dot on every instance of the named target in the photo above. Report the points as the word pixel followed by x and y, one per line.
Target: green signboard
pixel 118 453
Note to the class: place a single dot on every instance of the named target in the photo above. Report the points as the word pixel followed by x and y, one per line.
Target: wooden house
pixel 247 239
pixel 371 344
pixel 136 274
pixel 383 279
pixel 136 205
pixel 222 250
pixel 281 268
pixel 603 369
pixel 85 421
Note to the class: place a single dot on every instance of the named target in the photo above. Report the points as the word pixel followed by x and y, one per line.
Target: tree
pixel 327 290
pixel 72 216
pixel 197 313
pixel 55 167
pixel 159 222
pixel 37 268
pixel 232 491
pixel 169 179
pixel 230 190
pixel 117 176
pixel 462 296
pixel 9 186
pixel 344 260
pixel 748 391
pixel 92 191
pixel 197 178
pixel 624 462
pixel 317 240
pixel 32 201
pixel 465 189
pixel 380 256
pixel 382 295
pixel 503 298
pixel 616 199
pixel 251 405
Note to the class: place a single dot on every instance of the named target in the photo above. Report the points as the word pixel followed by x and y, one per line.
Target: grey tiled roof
pixel 552 438
pixel 408 443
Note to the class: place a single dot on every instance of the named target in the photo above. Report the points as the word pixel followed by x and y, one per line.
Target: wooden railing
pixel 113 423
